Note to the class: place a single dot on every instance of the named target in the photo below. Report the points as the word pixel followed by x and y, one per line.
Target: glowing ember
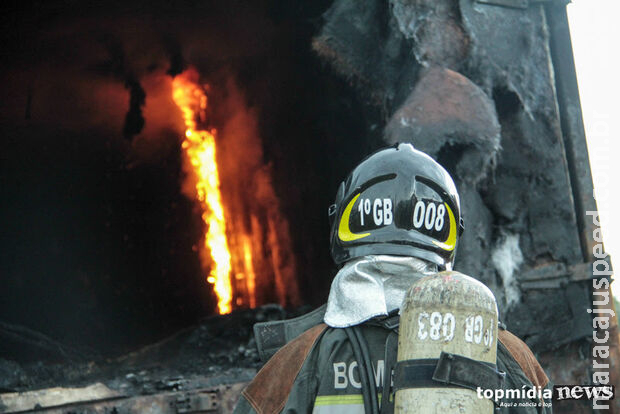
pixel 199 146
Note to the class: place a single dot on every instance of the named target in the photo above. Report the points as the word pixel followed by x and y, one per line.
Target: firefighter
pixel 396 219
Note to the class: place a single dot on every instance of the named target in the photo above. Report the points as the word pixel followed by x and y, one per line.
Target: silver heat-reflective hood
pixel 372 286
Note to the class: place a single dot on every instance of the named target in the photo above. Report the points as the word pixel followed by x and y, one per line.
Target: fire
pixel 250 277
pixel 247 236
pixel 199 146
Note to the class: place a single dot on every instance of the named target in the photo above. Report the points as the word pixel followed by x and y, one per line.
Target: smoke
pixel 507 258
pixel 93 68
pixel 117 66
pixel 175 55
pixel 134 121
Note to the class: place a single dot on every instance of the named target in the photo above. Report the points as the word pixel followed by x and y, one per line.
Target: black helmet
pixel 397 201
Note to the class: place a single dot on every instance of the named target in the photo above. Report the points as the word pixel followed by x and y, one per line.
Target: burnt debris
pixel 217 346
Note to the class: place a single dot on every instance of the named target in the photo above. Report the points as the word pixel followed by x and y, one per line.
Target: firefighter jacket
pixel 318 373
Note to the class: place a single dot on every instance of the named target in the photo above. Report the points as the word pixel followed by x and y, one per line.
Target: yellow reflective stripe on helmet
pixel 450 242
pixel 344 232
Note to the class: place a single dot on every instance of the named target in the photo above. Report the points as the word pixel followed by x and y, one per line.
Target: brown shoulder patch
pixel 269 390
pixel 524 357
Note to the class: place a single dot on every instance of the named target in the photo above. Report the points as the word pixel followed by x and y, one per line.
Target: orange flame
pixel 199 146
pixel 250 276
pixel 248 236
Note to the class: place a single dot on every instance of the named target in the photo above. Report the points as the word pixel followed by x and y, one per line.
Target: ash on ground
pixel 220 349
